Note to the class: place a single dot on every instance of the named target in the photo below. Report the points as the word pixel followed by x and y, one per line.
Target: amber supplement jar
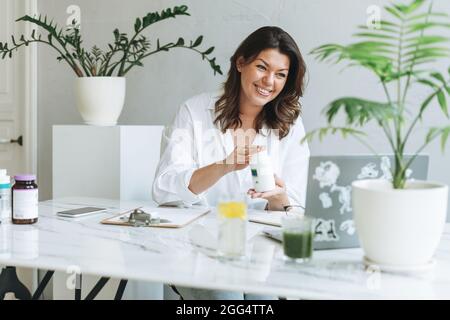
pixel 24 199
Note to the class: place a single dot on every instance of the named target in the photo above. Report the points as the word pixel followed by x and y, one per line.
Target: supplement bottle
pixel 24 199
pixel 262 172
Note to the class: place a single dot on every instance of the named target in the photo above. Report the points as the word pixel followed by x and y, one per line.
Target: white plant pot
pixel 399 227
pixel 100 99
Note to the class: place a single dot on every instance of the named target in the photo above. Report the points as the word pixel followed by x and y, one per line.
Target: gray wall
pixel 155 91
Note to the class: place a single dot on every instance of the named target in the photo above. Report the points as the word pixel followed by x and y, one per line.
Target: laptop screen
pixel 328 198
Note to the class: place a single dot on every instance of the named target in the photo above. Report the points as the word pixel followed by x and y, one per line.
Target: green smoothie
pixel 298 245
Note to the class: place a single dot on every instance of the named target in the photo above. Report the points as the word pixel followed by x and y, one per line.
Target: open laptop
pixel 328 198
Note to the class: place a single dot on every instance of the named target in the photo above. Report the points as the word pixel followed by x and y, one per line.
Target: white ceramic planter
pixel 100 99
pixel 399 227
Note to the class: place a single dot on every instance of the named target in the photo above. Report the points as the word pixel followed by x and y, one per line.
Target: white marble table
pixel 181 257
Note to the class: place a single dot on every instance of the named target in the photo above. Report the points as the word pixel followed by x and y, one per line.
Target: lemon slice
pixel 233 210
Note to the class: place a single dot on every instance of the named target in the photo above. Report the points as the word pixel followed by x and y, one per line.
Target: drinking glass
pixel 297 237
pixel 232 221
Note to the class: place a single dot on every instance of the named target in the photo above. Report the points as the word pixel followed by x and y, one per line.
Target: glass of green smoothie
pixel 297 238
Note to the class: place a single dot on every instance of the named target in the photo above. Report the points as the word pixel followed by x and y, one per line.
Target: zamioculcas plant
pixel 398 52
pixel 123 53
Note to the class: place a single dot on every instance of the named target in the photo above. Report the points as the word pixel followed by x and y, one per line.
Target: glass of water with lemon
pixel 232 219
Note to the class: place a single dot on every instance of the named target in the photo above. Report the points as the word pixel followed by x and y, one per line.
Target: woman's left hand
pixel 277 197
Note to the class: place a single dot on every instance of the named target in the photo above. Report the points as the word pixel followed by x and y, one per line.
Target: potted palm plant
pixel 100 84
pixel 399 222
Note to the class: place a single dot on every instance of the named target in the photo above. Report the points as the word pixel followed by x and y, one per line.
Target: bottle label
pixel 25 204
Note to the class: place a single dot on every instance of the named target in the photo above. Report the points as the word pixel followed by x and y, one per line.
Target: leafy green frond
pixel 422 26
pixel 411 8
pixel 379 51
pixel 427 52
pixel 328 52
pixel 42 23
pixel 359 111
pixel 424 40
pixel 376 56
pixel 153 17
pixel 435 132
pixel 344 131
pixel 383 26
pixel 360 51
pixel 411 62
pixel 368 47
pixel 379 29
pixel 439 77
pixel 385 23
pixel 322 132
pixel 374 35
pixel 423 16
pixel 440 87
pixel 428 83
pixel 394 12
pixel 68 43
pixel 423 58
pixel 444 137
pixel 442 102
pixel 404 43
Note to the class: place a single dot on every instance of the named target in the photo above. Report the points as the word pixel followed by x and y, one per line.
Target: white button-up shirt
pixel 193 142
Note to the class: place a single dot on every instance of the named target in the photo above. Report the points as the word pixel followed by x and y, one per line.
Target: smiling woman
pixel 207 151
pixel 262 79
pixel 260 101
pixel 267 74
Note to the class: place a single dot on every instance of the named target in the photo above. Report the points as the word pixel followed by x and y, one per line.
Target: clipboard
pixel 170 217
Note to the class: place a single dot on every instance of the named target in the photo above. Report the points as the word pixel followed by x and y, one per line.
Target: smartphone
pixel 79 212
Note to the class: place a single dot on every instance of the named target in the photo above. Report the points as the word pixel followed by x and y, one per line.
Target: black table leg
pixel 96 289
pixel 176 291
pixel 121 289
pixel 42 285
pixel 101 283
pixel 78 280
pixel 9 282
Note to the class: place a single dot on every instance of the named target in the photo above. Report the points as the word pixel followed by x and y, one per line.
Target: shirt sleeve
pixel 295 165
pixel 177 163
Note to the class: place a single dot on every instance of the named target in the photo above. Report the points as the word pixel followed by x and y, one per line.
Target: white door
pixel 18 102
pixel 17 92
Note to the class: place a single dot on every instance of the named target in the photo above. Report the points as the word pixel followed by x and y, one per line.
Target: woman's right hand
pixel 240 157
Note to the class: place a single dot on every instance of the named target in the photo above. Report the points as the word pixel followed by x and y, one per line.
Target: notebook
pixel 170 217
pixel 271 218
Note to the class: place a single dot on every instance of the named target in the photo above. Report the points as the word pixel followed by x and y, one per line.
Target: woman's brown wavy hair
pixel 279 113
